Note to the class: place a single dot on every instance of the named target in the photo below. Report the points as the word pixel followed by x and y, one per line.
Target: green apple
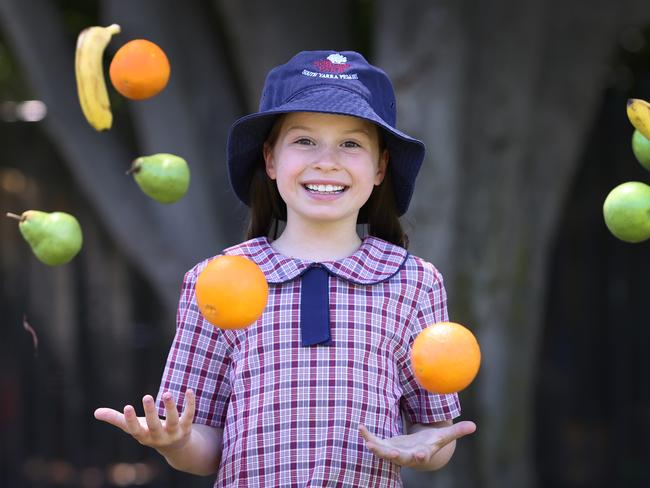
pixel 641 149
pixel 55 238
pixel 164 177
pixel 627 211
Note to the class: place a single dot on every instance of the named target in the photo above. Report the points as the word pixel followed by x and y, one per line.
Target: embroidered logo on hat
pixel 333 67
pixel 335 63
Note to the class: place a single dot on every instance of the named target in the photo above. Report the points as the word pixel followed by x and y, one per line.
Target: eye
pixel 304 141
pixel 351 144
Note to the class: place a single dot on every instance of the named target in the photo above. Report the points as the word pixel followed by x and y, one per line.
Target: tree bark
pixel 517 84
pixel 162 241
pixel 190 117
pixel 266 34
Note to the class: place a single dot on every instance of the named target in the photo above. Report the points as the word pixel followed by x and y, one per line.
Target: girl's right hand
pixel 163 435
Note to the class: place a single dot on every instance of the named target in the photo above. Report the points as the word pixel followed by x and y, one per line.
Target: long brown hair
pixel 268 208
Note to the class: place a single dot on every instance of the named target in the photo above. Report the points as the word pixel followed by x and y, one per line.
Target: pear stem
pixel 135 167
pixel 14 216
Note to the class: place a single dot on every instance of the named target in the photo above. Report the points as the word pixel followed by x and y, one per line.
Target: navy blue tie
pixel 315 307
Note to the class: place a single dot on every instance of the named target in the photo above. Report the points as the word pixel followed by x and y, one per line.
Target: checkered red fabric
pixel 290 414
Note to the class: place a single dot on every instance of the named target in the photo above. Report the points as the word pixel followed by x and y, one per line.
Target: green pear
pixel 55 238
pixel 627 211
pixel 641 149
pixel 164 177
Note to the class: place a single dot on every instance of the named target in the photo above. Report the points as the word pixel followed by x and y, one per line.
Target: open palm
pixel 150 430
pixel 417 449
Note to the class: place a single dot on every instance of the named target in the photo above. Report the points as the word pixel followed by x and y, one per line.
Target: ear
pixel 381 167
pixel 269 162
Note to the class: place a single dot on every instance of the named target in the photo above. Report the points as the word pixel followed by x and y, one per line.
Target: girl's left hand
pixel 416 450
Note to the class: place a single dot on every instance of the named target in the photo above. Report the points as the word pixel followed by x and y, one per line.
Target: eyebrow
pixel 298 127
pixel 363 130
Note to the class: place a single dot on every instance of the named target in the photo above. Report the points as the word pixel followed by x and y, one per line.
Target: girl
pixel 316 391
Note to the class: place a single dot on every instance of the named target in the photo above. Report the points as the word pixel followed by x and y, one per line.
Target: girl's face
pixel 325 165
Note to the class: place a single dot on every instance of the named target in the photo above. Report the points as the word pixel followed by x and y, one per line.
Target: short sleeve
pixel 419 405
pixel 198 360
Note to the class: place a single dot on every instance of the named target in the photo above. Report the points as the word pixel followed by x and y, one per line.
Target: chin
pixel 330 217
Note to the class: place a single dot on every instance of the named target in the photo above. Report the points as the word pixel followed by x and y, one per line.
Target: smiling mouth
pixel 326 189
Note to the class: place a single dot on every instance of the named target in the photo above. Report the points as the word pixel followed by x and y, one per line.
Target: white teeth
pixel 325 188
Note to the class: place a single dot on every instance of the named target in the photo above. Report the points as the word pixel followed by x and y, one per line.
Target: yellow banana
pixel 638 111
pixel 89 71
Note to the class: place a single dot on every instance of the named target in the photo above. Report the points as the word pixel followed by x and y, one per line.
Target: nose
pixel 327 159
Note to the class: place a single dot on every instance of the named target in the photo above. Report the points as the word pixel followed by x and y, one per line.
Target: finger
pixel 467 426
pixel 377 446
pixel 368 436
pixel 381 447
pixel 112 417
pixel 151 416
pixel 370 439
pixel 421 455
pixel 133 426
pixel 190 408
pixel 390 453
pixel 171 412
pixel 455 431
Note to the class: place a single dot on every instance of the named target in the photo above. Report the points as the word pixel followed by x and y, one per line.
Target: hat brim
pixel 248 134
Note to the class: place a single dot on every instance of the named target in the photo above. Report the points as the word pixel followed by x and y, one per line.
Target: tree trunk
pixel 503 93
pixel 162 241
pixel 190 117
pixel 265 34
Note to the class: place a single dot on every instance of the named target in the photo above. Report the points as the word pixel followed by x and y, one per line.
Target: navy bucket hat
pixel 332 82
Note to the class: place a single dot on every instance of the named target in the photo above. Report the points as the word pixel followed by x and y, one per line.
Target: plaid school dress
pixel 331 351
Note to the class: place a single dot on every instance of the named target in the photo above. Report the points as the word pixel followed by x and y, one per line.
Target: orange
pixel 139 69
pixel 231 292
pixel 445 357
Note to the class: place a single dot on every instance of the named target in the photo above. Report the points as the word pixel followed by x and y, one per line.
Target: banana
pixel 89 71
pixel 638 111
